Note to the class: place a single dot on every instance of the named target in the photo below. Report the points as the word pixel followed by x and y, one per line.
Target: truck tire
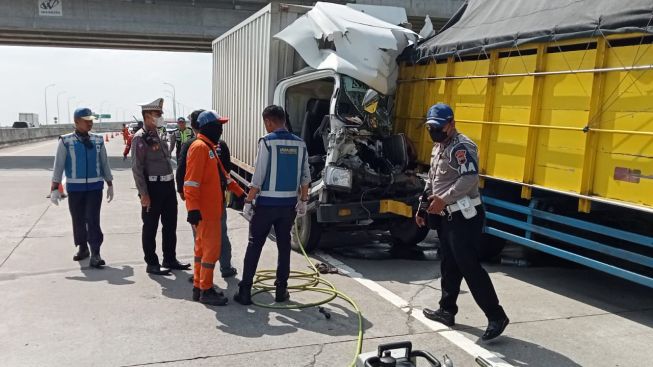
pixel 406 233
pixel 306 231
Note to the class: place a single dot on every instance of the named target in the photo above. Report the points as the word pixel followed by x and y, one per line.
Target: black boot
pixel 440 315
pixel 174 264
pixel 197 292
pixel 495 328
pixel 244 295
pixel 212 298
pixel 82 253
pixel 228 272
pixel 157 270
pixel 96 261
pixel 281 294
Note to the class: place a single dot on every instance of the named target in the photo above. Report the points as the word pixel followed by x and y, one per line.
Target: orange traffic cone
pixel 106 138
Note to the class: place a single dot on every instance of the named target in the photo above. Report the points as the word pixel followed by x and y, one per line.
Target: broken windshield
pixel 350 107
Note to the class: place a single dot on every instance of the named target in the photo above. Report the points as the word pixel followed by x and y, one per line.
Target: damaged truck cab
pixel 319 63
pixel 361 171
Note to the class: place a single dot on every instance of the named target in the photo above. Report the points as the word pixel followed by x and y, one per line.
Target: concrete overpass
pixel 169 25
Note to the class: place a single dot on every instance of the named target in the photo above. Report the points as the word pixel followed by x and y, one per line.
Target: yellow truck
pixel 558 95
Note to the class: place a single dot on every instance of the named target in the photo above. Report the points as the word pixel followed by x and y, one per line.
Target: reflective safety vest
pixel 286 154
pixel 184 136
pixel 83 167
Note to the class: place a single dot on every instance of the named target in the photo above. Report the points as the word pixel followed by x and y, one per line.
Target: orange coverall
pixel 203 192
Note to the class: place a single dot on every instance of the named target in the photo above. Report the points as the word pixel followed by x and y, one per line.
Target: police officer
pixel 451 202
pixel 272 200
pixel 182 135
pixel 152 172
pixel 83 157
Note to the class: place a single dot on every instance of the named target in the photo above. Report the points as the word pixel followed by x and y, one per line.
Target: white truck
pixel 319 68
pixel 32 119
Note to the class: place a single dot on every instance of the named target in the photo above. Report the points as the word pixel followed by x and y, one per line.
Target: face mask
pixel 159 121
pixel 437 135
pixel 212 131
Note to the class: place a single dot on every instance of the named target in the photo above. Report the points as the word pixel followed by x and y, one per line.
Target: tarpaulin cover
pixel 339 38
pixel 482 25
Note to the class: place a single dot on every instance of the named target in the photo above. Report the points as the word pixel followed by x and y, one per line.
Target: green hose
pixel 310 282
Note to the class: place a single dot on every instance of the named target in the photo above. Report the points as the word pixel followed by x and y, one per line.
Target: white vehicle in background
pixel 32 119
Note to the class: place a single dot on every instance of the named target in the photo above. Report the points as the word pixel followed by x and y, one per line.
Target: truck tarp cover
pixel 482 25
pixel 366 48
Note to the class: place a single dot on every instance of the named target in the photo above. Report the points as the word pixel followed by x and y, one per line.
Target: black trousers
pixel 282 218
pixel 164 207
pixel 84 209
pixel 459 244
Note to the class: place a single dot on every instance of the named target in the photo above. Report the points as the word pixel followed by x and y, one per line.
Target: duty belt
pixel 454 207
pixel 166 178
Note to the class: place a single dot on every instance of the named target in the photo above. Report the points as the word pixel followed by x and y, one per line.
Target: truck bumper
pixel 373 209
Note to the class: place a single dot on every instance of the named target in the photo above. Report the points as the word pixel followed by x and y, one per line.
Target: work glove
pixel 194 217
pixel 55 196
pixel 248 210
pixel 109 194
pixel 300 208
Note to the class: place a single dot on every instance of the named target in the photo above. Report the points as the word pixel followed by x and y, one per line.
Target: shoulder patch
pixel 211 155
pixel 461 156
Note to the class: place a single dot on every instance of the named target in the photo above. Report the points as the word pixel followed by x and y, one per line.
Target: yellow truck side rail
pixel 574 117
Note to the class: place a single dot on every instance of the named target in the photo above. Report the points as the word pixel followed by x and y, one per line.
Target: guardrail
pixel 11 136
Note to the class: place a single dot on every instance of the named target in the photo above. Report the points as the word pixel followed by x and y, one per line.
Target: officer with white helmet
pixel 152 170
pixel 451 202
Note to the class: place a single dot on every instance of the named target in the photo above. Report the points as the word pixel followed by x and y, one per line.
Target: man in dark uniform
pixel 276 188
pixel 226 269
pixel 154 180
pixel 452 202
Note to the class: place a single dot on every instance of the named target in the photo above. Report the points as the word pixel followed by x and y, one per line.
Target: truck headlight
pixel 337 178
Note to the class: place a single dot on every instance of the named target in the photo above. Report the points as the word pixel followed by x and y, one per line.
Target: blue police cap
pixel 208 117
pixel 439 115
pixel 84 113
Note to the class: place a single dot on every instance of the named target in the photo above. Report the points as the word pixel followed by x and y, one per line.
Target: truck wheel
pixel 406 233
pixel 490 247
pixel 307 232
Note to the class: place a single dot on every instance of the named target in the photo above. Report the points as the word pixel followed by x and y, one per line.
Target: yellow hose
pixel 310 282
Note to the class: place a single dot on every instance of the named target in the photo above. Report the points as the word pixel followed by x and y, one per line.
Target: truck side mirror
pixel 371 101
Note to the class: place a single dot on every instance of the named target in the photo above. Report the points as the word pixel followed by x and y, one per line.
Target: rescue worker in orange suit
pixel 203 190
pixel 128 141
pixel 125 133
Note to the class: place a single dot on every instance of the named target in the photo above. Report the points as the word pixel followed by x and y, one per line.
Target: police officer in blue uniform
pixel 83 158
pixel 452 204
pixel 281 174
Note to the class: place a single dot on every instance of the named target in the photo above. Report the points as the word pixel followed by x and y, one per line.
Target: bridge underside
pixel 105 40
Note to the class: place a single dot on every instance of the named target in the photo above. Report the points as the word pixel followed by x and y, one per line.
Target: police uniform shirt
pixel 454 170
pixel 151 159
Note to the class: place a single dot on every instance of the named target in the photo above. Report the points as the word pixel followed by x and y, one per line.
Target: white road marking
pixel 452 336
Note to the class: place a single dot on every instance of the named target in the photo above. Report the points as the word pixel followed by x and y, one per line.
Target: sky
pixel 107 81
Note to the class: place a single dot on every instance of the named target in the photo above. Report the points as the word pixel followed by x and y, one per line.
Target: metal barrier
pixel 530 228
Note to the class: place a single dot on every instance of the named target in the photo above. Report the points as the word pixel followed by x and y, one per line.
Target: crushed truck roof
pixel 339 38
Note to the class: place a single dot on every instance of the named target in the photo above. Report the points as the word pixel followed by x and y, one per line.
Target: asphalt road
pixel 56 312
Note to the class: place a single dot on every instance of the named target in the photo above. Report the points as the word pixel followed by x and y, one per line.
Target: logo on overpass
pixel 50 8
